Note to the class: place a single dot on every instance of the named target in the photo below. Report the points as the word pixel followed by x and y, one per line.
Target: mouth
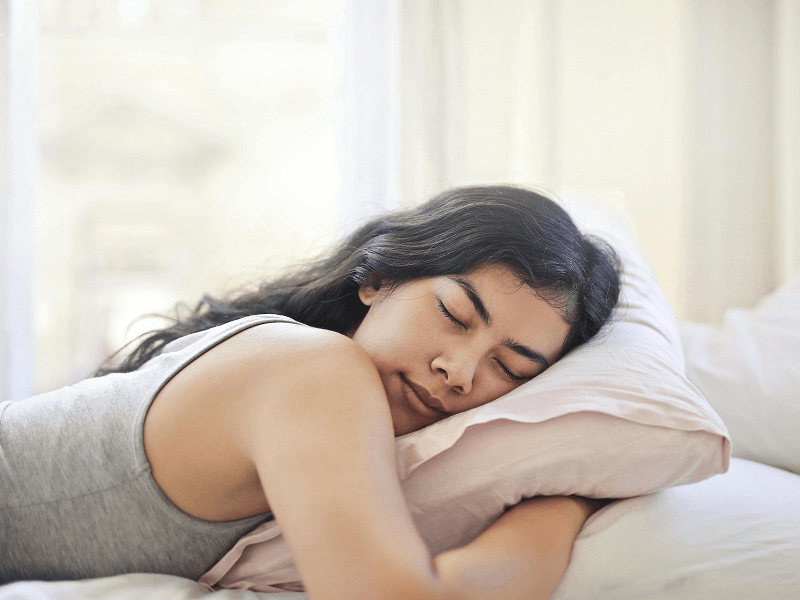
pixel 422 401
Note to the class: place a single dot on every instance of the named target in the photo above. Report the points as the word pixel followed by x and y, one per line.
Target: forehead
pixel 494 281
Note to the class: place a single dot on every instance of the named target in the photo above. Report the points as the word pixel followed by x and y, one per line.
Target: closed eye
pixel 449 316
pixel 510 375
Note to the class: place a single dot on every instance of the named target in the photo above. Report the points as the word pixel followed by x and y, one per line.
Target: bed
pixel 732 535
pixel 735 536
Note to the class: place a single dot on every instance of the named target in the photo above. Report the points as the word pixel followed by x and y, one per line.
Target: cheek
pixel 398 333
pixel 384 335
pixel 410 340
pixel 490 383
pixel 495 387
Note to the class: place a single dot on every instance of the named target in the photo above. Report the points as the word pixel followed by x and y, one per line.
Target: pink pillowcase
pixel 614 418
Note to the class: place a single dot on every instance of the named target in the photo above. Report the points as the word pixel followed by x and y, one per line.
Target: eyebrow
pixel 528 353
pixel 480 308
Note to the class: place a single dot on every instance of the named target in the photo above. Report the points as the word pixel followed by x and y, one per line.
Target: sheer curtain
pixel 398 65
pixel 186 147
pixel 690 110
pixel 787 131
pixel 18 164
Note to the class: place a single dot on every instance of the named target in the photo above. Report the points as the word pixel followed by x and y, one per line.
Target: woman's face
pixel 443 345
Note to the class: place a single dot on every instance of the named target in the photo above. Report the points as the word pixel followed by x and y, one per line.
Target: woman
pixel 234 415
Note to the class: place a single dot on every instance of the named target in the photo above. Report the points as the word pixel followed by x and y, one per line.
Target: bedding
pixel 614 418
pixel 749 370
pixel 732 537
pixel 135 586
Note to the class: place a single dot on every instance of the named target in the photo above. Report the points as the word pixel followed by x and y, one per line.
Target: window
pixel 186 147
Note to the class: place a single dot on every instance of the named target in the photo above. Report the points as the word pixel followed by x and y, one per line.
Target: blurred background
pixel 154 150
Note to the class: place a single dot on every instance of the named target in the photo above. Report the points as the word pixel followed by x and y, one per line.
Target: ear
pixel 368 291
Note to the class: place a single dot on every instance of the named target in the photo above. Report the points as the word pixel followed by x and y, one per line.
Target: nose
pixel 458 372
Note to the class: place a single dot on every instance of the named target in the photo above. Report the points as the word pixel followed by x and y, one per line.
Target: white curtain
pixel 689 109
pixel 367 34
pixel 398 64
pixel 740 155
pixel 787 131
pixel 18 151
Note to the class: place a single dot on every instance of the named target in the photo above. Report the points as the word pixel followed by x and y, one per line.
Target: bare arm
pixel 323 447
pixel 522 556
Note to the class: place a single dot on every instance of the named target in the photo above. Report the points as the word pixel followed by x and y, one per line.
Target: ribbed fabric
pixel 77 496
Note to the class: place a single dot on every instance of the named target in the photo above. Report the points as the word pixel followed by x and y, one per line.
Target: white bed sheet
pixel 137 586
pixel 734 537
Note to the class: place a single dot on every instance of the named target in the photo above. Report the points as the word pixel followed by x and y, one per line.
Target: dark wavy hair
pixel 456 231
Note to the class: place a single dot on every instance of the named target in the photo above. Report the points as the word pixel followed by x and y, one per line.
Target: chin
pixel 402 425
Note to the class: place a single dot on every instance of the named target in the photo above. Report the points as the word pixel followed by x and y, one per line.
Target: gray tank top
pixel 77 496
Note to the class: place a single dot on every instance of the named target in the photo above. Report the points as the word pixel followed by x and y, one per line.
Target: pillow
pixel 735 536
pixel 749 370
pixel 613 418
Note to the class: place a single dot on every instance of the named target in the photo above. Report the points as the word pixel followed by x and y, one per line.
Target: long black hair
pixel 456 231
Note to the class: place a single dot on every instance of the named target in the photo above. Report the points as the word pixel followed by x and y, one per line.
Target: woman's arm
pixel 523 555
pixel 315 422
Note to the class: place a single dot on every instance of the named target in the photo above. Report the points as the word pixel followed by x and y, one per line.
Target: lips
pixel 434 404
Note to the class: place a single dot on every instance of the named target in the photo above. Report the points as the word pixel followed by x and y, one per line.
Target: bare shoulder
pixel 274 354
pixel 293 420
pixel 286 342
pixel 303 369
pixel 282 377
pixel 292 361
pixel 274 367
pixel 252 388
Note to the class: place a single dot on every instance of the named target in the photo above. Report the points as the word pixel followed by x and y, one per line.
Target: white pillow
pixel 749 370
pixel 735 536
pixel 614 418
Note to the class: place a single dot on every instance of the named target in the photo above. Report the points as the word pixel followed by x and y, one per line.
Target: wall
pixel 686 108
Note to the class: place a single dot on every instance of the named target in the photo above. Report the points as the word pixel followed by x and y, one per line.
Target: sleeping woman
pixel 284 403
